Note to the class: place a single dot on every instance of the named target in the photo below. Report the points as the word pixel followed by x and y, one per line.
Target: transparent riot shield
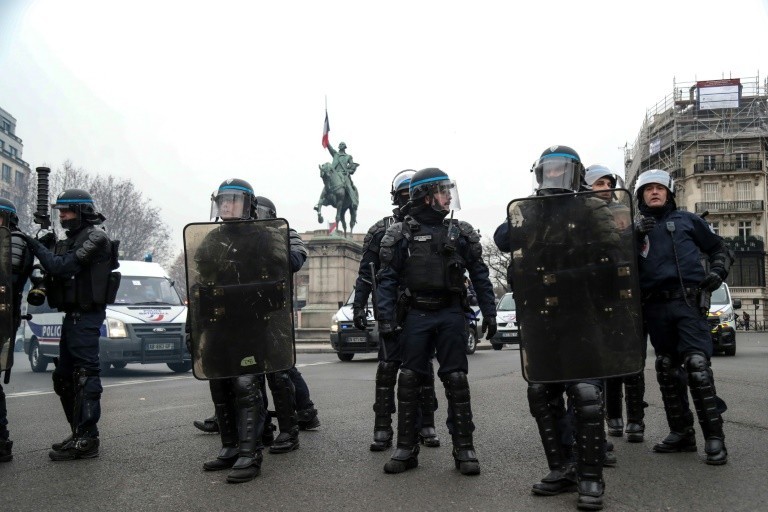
pixel 576 286
pixel 240 297
pixel 7 334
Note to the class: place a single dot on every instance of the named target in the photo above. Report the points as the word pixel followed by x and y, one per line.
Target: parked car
pixel 508 332
pixel 144 325
pixel 722 320
pixel 346 339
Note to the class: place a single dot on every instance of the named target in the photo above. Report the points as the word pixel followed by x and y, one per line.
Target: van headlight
pixel 726 318
pixel 334 324
pixel 116 328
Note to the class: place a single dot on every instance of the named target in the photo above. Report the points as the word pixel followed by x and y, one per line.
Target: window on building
pixel 745 191
pixel 715 227
pixel 708 162
pixel 6 125
pixel 745 229
pixel 19 179
pixel 6 173
pixel 711 192
pixel 2 145
pixel 747 270
pixel 13 151
pixel 741 160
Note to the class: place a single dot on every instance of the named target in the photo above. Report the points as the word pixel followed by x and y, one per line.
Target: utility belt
pixel 668 295
pixel 435 302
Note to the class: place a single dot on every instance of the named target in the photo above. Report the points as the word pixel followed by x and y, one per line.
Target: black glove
pixel 386 330
pixel 359 318
pixel 489 324
pixel 644 225
pixel 47 238
pixel 712 282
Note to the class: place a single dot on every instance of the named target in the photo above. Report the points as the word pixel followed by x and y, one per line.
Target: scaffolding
pixel 722 139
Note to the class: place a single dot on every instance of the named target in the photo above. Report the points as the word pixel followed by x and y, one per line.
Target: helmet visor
pixel 230 204
pixel 444 196
pixel 558 172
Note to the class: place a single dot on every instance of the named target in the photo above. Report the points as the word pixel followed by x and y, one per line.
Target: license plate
pixel 357 339
pixel 160 346
pixel 509 334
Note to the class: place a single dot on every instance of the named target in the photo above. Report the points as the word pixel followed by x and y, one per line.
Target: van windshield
pixel 720 296
pixel 507 303
pixel 141 291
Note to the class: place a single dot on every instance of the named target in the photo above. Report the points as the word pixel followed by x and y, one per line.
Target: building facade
pixel 15 176
pixel 712 136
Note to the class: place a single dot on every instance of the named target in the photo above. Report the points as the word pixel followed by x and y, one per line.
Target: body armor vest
pixel 88 289
pixel 21 267
pixel 431 267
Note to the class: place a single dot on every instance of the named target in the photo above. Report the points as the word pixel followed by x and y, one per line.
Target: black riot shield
pixel 576 286
pixel 239 284
pixel 7 334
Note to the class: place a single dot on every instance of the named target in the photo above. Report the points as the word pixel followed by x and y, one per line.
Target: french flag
pixel 326 129
pixel 332 227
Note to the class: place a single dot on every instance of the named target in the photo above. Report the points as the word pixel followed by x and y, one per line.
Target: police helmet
pixel 559 168
pixel 8 213
pixel 81 202
pixel 234 200
pixel 658 176
pixel 430 181
pixel 401 183
pixel 265 208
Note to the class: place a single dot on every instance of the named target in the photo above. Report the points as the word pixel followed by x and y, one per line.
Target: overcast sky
pixel 180 95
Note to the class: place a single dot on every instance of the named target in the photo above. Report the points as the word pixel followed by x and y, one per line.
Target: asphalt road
pixel 151 455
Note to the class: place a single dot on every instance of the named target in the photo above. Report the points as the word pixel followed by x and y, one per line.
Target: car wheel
pixel 37 361
pixel 471 341
pixel 730 351
pixel 180 367
pixel 345 357
pixel 104 366
pixel 497 346
pixel 120 365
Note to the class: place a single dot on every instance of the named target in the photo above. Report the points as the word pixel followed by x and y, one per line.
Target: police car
pixel 507 332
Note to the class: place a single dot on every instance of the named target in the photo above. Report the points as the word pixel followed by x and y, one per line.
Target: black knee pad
pixel 279 381
pixel 664 364
pixel 244 384
pixel 538 400
pixel 62 385
pixel 457 386
pixel 697 366
pixel 386 374
pixel 588 402
pixel 408 386
pixel 221 390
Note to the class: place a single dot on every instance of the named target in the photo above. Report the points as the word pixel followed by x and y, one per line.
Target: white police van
pixel 144 325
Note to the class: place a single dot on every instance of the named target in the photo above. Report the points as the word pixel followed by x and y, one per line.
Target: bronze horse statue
pixel 337 193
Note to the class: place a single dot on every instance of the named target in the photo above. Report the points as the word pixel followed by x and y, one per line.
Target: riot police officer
pixel 675 293
pixel 20 270
pixel 238 401
pixel 293 408
pixel 390 353
pixel 79 283
pixel 631 387
pixel 426 256
pixel 553 233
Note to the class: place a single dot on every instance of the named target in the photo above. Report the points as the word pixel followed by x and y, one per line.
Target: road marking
pixel 116 384
pixel 314 364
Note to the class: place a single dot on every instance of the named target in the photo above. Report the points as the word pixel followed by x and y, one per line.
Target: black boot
pixel 635 386
pixel 6 452
pixel 250 419
pixel 546 410
pixel 307 419
pixel 406 455
pixel 613 398
pixel 702 384
pixel 221 392
pixel 84 443
pixel 268 436
pixel 428 402
pixel 681 437
pixel 77 448
pixel 457 393
pixel 590 444
pixel 384 405
pixel 208 425
pixel 65 388
pixel 284 396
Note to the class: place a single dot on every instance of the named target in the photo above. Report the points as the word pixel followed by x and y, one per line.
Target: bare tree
pixel 131 217
pixel 178 275
pixel 497 263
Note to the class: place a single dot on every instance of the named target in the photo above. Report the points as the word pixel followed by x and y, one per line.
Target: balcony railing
pixel 744 165
pixel 729 206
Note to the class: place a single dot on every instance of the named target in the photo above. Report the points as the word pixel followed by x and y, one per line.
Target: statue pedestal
pixel 333 264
